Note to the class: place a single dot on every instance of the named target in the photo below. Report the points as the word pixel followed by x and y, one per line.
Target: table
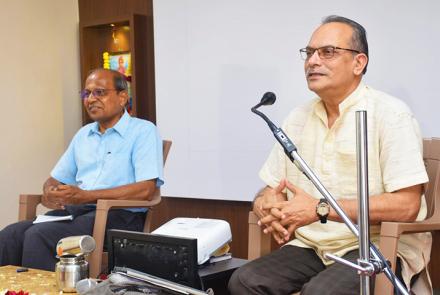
pixel 34 281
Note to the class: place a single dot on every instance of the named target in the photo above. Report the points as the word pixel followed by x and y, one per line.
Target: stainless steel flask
pixel 69 270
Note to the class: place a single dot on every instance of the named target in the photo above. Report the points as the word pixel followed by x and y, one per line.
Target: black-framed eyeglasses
pixel 97 92
pixel 324 52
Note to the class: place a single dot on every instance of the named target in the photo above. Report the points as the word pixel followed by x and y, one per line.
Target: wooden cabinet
pixel 117 35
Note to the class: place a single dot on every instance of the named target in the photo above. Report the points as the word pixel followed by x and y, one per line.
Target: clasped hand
pixel 282 218
pixel 55 197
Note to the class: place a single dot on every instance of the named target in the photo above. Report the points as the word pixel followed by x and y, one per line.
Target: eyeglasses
pixel 97 92
pixel 324 52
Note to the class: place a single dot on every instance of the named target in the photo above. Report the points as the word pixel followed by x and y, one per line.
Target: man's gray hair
pixel 359 37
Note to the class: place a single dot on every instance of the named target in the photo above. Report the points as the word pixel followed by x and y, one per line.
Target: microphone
pixel 268 98
pixel 288 146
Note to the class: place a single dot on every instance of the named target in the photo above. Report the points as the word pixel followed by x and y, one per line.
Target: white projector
pixel 211 234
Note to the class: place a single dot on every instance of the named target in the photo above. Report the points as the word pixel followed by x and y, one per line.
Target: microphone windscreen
pixel 268 98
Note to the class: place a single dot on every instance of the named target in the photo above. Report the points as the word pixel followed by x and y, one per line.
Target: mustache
pixel 314 71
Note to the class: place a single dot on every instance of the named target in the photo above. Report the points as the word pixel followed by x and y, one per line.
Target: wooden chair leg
pixel 95 258
pixel 148 218
pixel 259 243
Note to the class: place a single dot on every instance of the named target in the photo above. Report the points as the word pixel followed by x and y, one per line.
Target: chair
pixel 260 244
pixel 391 231
pixel 98 259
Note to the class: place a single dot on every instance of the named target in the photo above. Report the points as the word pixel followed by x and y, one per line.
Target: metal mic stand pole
pixel 368 267
pixel 363 197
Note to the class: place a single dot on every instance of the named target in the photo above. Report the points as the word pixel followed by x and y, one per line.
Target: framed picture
pixel 121 62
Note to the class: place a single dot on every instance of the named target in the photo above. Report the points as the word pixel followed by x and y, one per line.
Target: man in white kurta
pixel 324 133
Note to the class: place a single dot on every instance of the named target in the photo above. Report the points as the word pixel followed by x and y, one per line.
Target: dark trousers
pixel 292 269
pixel 33 245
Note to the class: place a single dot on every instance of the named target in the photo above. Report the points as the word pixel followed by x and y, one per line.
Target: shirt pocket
pixel 117 170
pixel 346 168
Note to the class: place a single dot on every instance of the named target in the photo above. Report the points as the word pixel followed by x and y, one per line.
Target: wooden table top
pixel 34 281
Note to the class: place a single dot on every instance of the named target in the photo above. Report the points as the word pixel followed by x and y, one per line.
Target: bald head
pixel 336 34
pixel 119 80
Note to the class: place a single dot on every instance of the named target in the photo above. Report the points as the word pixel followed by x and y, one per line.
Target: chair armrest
pixel 395 229
pixel 390 233
pixel 120 204
pixel 259 244
pixel 389 237
pixel 28 206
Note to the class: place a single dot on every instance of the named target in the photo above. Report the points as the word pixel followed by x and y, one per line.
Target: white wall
pixel 215 59
pixel 39 84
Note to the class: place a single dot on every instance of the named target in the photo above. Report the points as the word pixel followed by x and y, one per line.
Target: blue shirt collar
pixel 120 127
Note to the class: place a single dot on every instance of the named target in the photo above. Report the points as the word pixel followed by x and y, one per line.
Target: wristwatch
pixel 322 210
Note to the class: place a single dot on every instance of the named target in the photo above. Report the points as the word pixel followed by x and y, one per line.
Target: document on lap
pixel 47 218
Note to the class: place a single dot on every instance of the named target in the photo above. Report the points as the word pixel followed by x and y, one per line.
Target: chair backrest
pixel 166 146
pixel 431 156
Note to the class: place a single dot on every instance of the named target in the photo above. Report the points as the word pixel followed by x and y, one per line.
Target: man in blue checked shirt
pixel 116 157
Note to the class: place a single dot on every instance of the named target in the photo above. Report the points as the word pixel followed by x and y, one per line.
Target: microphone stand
pixel 367 266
